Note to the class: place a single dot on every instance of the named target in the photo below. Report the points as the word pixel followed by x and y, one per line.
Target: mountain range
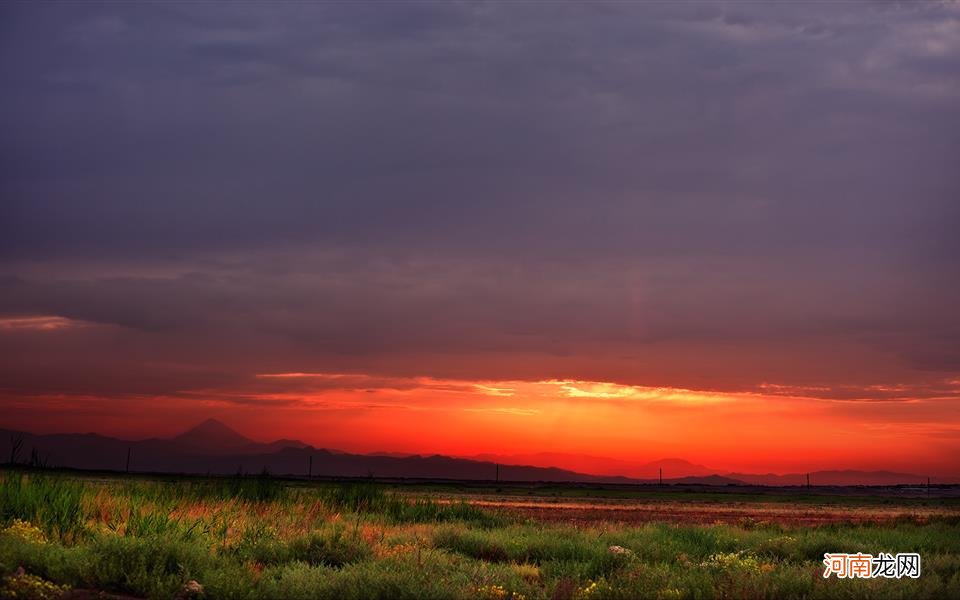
pixel 213 447
pixel 601 465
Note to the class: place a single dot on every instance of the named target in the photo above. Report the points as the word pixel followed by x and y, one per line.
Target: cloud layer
pixel 732 198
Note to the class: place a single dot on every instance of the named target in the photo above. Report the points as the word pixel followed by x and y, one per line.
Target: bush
pixel 433 579
pixel 29 587
pixel 333 548
pixel 154 566
pixel 472 544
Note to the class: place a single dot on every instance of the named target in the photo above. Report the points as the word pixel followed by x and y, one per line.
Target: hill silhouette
pixel 214 447
pixel 601 465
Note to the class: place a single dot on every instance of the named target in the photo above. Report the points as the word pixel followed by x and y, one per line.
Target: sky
pixel 725 232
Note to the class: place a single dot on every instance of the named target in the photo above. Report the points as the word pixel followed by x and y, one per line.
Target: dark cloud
pixel 697 194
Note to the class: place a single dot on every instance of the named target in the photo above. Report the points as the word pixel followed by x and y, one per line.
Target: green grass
pixel 52 503
pixel 683 493
pixel 260 538
pixel 372 499
pixel 250 488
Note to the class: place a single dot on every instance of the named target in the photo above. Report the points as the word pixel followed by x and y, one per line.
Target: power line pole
pixel 498 472
pixel 808 481
pixel 661 476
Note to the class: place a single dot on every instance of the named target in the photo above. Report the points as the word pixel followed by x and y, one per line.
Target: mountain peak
pixel 212 433
pixel 211 422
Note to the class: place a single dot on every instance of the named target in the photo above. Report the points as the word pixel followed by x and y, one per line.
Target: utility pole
pixel 928 485
pixel 808 481
pixel 310 468
pixel 498 472
pixel 661 476
pixel 128 459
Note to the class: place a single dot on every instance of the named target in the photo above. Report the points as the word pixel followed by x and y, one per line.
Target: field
pixel 85 536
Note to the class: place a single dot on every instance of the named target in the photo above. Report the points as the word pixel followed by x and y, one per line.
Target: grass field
pixel 261 537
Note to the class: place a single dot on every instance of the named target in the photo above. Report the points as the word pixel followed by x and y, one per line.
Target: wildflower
pixel 23 585
pixel 736 561
pixel 528 572
pixel 25 532
pixel 587 592
pixel 498 592
pixel 191 589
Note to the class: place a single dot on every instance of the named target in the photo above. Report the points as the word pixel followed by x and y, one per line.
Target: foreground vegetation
pixel 254 537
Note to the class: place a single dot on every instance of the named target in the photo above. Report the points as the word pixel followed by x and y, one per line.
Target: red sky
pixel 773 428
pixel 720 232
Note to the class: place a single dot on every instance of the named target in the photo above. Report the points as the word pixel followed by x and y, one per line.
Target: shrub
pixel 29 587
pixel 472 544
pixel 154 566
pixel 333 548
pixel 25 532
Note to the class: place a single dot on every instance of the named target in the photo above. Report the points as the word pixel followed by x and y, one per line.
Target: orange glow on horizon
pixel 769 430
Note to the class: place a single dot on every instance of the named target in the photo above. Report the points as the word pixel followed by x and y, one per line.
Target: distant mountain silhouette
pixel 393 454
pixel 846 477
pixel 705 480
pixel 212 437
pixel 601 465
pixel 213 447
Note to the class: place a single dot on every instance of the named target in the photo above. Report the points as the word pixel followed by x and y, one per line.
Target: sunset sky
pixel 725 232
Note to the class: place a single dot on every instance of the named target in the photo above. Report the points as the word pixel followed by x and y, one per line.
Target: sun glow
pixel 765 429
